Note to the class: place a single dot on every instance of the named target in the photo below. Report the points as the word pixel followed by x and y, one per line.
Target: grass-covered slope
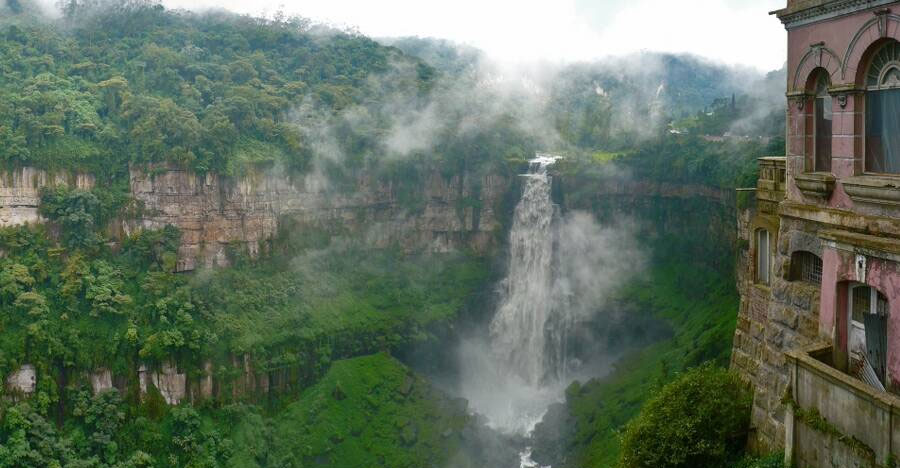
pixel 369 411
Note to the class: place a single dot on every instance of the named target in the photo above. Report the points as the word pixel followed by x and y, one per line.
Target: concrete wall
pixel 814 449
pixel 851 408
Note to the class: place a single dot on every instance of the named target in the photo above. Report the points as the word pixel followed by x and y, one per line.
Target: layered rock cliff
pixel 20 192
pixel 215 212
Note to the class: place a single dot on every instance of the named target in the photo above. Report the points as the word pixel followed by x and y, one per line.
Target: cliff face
pixel 215 212
pixel 667 216
pixel 20 192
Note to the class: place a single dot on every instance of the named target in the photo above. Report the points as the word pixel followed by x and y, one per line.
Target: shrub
pixel 775 460
pixel 700 420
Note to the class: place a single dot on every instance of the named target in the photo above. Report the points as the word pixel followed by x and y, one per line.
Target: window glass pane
pixel 823 134
pixel 862 302
pixel 883 131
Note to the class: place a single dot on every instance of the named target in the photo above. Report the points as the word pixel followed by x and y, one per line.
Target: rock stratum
pixel 215 212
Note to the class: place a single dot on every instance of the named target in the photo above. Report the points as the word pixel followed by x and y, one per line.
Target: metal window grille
pixel 807 267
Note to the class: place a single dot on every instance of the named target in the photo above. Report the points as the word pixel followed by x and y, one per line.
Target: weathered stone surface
pixel 20 192
pixel 171 385
pixel 778 318
pixel 215 212
pixel 23 381
pixel 101 380
pixel 786 316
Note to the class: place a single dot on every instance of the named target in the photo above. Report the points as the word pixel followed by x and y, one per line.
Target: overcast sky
pixel 731 31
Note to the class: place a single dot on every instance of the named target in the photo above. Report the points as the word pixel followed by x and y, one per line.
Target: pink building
pixel 819 326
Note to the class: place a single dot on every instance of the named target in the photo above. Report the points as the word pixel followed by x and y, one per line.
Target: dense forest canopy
pixel 115 83
pixel 131 82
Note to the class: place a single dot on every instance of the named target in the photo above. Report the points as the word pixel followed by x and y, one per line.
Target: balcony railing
pixel 834 419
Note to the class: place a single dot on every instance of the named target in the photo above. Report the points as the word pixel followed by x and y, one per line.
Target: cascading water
pixel 518 373
pixel 520 337
pixel 559 269
pixel 548 327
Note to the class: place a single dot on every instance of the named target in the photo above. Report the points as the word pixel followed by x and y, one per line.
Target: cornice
pixel 830 10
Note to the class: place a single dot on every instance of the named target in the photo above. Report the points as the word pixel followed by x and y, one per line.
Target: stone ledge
pixel 879 190
pixel 874 225
pixel 862 242
pixel 802 12
pixel 815 184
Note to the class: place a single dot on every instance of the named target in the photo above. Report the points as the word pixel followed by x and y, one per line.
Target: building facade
pixel 819 326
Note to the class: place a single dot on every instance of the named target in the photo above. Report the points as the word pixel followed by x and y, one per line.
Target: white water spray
pixel 560 270
pixel 520 337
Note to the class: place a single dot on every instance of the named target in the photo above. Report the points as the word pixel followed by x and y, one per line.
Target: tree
pixel 75 211
pixel 698 421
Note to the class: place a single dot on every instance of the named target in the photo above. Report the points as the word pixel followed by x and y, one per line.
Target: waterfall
pixel 529 329
pixel 561 267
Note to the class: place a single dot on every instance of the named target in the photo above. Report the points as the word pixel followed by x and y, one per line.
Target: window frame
pixel 806 267
pixel 870 89
pixel 820 93
pixel 876 298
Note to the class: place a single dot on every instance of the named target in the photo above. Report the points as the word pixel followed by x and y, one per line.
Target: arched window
pixel 763 262
pixel 822 124
pixel 883 110
pixel 806 267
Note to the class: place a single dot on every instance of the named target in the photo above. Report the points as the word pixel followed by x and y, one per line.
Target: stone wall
pixel 772 320
pixel 215 212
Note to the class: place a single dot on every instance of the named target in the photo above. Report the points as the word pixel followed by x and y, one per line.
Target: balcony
pixel 834 419
pixel 815 184
pixel 771 183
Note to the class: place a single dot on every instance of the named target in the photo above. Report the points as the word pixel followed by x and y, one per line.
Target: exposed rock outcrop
pixel 22 381
pixel 171 384
pixel 214 212
pixel 20 192
pixel 101 380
